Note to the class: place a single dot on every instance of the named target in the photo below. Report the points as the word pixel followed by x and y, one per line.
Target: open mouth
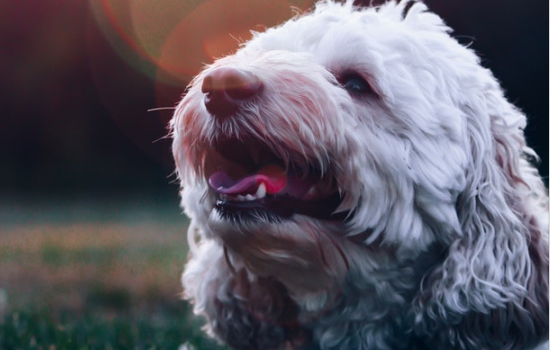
pixel 251 182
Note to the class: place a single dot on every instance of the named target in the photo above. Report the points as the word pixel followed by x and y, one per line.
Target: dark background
pixel 74 117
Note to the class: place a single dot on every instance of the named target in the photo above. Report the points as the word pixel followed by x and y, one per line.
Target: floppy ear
pixel 492 288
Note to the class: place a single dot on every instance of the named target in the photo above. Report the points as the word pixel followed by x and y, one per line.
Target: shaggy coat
pixel 439 235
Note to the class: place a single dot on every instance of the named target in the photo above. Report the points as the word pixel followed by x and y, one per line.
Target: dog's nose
pixel 226 88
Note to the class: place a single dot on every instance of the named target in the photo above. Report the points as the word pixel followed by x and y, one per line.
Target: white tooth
pixel 240 198
pixel 249 197
pixel 260 193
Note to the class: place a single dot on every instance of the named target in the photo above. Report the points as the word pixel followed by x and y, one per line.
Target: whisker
pixel 165 137
pixel 161 109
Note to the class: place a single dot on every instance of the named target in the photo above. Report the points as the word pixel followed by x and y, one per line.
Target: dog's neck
pixel 335 270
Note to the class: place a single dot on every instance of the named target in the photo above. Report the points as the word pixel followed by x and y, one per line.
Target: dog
pixel 355 179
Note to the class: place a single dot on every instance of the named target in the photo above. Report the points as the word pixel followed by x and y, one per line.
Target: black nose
pixel 226 88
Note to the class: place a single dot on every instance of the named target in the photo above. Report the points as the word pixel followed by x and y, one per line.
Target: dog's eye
pixel 355 84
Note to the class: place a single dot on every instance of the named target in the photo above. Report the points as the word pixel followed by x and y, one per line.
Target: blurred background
pixel 89 215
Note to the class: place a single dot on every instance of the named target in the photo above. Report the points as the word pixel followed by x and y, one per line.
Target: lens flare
pixel 171 40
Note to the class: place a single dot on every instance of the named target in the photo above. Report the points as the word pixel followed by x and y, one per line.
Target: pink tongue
pixel 273 177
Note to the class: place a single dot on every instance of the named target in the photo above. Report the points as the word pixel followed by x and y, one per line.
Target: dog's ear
pixel 494 280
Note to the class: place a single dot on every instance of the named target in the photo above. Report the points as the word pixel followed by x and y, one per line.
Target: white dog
pixel 356 179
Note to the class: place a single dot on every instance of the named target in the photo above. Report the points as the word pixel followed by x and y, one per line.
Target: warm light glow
pixel 180 37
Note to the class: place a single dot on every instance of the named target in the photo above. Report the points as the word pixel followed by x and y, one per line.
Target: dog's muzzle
pixel 268 187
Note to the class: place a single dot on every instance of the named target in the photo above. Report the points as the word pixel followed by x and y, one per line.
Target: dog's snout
pixel 226 88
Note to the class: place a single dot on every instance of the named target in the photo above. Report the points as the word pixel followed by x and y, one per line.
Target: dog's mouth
pixel 252 182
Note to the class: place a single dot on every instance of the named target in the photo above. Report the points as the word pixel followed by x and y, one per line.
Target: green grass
pixel 40 330
pixel 92 285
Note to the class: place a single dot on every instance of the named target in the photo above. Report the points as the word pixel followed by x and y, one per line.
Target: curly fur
pixel 445 245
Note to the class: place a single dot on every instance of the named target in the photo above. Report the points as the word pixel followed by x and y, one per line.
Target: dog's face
pixel 364 157
pixel 335 129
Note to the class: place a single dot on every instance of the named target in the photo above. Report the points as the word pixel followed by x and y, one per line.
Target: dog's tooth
pixel 260 193
pixel 249 197
pixel 240 198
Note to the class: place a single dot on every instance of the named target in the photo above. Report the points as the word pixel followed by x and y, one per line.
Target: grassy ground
pixel 95 285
